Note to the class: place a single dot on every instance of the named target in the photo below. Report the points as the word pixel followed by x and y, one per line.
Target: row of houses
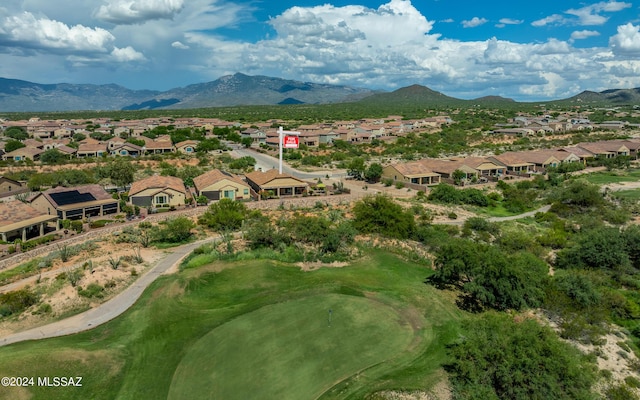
pixel 526 126
pixel 429 172
pixel 93 148
pixel 42 212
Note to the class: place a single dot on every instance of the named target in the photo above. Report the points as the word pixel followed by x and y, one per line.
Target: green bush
pixel 93 290
pixel 76 225
pixel 17 301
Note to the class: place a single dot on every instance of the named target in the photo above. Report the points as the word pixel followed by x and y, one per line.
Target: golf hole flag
pixel 290 142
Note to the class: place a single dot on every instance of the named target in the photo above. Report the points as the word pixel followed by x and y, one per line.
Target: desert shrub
pixel 17 301
pixel 495 358
pixel 93 290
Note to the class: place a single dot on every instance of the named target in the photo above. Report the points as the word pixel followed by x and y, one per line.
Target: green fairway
pixel 257 329
pixel 627 194
pixel 604 178
pixel 291 350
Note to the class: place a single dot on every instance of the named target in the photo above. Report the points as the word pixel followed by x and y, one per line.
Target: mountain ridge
pixel 240 89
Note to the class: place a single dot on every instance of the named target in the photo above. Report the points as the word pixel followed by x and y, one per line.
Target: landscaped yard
pixel 257 329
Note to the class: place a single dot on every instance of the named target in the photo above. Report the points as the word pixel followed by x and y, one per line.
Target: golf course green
pixel 291 350
pixel 256 328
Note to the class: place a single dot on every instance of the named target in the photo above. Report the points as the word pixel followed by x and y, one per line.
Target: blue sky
pixel 528 51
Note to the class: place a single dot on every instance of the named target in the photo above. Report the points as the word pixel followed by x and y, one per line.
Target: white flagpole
pixel 280 134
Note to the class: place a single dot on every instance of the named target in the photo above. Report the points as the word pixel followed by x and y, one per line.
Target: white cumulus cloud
pixel 474 22
pixel 179 45
pixel 138 11
pixel 584 34
pixel 127 54
pixel 627 40
pixel 511 21
pixel 27 31
pixel 554 19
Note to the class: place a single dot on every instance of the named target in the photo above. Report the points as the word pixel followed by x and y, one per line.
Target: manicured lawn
pixel 627 194
pixel 257 329
pixel 603 178
pixel 291 350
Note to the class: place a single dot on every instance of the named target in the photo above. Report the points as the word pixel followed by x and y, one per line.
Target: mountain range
pixel 240 89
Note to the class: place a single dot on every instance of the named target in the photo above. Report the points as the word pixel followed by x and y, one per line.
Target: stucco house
pixel 276 184
pixel 415 172
pixel 216 185
pixel 75 202
pixel 158 191
pixel 21 221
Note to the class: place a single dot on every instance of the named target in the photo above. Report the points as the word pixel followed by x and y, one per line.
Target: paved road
pixel 266 162
pixel 108 310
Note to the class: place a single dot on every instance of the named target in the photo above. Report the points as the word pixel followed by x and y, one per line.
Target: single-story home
pixel 158 191
pixel 277 184
pixel 21 221
pixel 23 153
pixel 187 146
pixel 415 172
pixel 75 202
pixel 216 185
pixel 10 187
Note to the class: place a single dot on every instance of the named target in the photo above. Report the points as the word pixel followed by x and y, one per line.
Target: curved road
pixel 266 162
pixel 110 309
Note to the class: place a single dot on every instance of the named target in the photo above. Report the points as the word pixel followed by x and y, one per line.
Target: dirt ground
pixel 95 267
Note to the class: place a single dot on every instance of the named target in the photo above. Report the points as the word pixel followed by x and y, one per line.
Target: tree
pixel 16 132
pixel 373 172
pixel 225 215
pixel 356 168
pixel 489 277
pixel 53 156
pixel 209 145
pixel 12 145
pixel 187 173
pixel 120 171
pixel 380 214
pixel 458 176
pixel 445 193
pixel 603 248
pixel 175 230
pixel 500 358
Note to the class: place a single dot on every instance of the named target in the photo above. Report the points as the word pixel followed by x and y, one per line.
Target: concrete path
pixel 110 309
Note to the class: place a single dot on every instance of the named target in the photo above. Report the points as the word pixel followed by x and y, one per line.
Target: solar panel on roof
pixel 71 197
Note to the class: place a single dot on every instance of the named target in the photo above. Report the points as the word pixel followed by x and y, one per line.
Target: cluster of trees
pixel 447 194
pixel 500 358
pixel 489 277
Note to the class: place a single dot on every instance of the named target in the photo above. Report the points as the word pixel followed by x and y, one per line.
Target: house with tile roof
pixel 187 146
pixel 77 202
pixel 541 159
pixel 606 149
pixel 91 150
pixel 127 149
pixel 9 187
pixel 276 184
pixel 21 221
pixel 579 152
pixel 23 153
pixel 513 162
pixel 158 191
pixel 158 146
pixel 216 185
pixel 415 173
